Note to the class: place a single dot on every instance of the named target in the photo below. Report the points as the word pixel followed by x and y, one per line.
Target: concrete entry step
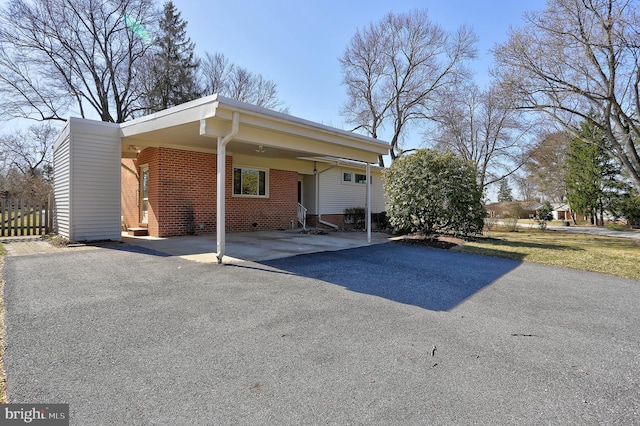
pixel 138 232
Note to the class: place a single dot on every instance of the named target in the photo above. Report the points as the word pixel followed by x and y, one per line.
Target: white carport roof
pixel 196 125
pixel 215 124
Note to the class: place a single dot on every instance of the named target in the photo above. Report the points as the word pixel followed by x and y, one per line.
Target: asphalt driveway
pixel 344 337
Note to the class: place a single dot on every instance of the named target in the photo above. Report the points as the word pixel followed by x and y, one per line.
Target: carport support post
pixel 368 218
pixel 220 199
pixel 220 185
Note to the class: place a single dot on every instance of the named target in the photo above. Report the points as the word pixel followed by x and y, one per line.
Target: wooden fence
pixel 24 217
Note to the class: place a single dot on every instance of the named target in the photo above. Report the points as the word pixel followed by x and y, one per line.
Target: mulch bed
pixel 445 242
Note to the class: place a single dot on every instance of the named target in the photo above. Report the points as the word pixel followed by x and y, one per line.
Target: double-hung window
pixel 250 182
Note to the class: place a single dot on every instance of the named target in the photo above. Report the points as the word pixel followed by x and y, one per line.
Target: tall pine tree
pixel 592 176
pixel 504 193
pixel 172 78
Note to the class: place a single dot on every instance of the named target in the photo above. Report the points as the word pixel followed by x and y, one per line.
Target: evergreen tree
pixel 592 175
pixel 504 193
pixel 173 67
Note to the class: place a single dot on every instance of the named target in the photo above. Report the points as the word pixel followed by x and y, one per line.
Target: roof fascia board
pixel 279 122
pixel 193 111
pixel 93 127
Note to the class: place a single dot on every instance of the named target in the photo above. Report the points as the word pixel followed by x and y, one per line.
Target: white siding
pixel 87 183
pixel 309 193
pixel 61 188
pixel 335 195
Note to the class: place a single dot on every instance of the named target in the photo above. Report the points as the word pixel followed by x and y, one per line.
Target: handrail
pixel 302 215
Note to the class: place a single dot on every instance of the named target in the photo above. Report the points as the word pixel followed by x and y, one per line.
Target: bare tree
pixel 395 70
pixel 546 168
pixel 57 55
pixel 26 156
pixel 484 128
pixel 575 58
pixel 214 73
pixel 29 151
pixel 526 187
pixel 220 76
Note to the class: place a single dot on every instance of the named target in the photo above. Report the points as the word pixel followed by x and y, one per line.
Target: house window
pixel 361 178
pixel 249 182
pixel 349 177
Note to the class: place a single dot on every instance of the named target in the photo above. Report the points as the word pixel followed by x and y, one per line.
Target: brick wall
pixel 182 200
pixel 336 219
pixel 186 192
pixel 274 212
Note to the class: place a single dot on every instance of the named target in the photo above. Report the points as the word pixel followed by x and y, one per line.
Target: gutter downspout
pixel 221 181
pixel 323 222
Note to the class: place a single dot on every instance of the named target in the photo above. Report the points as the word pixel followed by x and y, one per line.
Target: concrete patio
pixel 255 246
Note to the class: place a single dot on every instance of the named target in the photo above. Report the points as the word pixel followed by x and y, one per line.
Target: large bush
pixel 431 191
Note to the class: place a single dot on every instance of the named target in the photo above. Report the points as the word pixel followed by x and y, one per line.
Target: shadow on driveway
pixel 430 278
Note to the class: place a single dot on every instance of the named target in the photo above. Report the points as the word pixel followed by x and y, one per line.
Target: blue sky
pixel 297 43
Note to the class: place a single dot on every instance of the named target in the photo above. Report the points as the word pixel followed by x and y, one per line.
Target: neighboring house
pixel 529 209
pixel 163 172
pixel 525 209
pixel 561 211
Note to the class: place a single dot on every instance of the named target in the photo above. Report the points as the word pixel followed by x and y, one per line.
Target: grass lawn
pixel 608 255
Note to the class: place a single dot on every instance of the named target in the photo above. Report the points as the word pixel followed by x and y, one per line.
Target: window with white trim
pixel 249 182
pixel 354 178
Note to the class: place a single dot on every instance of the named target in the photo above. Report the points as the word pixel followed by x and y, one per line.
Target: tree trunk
pixel 601 214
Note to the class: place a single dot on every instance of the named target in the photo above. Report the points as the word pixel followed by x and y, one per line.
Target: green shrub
pixel 430 191
pixel 543 215
pixel 354 217
pixel 380 220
